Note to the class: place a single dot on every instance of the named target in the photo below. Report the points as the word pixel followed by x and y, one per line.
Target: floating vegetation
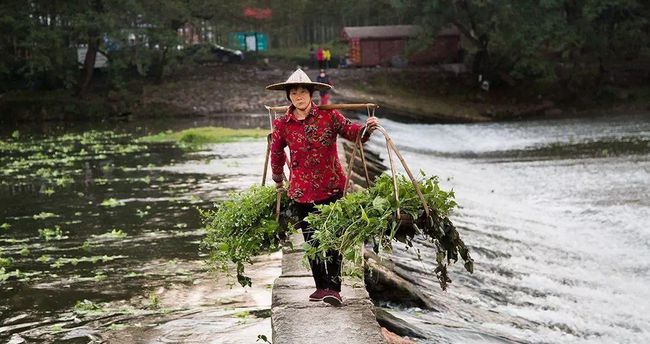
pixel 61 261
pixel 112 202
pixel 88 245
pixel 5 226
pixel 44 215
pixel 5 275
pixel 5 262
pixel 44 259
pixel 24 251
pixel 195 137
pixel 141 213
pixel 154 301
pixel 51 233
pixel 86 307
pixel 114 234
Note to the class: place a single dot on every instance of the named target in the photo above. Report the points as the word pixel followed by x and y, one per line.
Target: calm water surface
pixel 89 213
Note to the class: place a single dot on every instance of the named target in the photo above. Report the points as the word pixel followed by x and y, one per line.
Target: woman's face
pixel 300 97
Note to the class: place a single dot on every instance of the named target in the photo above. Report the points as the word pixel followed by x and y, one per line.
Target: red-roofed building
pixel 386 45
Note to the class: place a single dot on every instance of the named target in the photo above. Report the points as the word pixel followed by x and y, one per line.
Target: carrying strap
pixel 390 147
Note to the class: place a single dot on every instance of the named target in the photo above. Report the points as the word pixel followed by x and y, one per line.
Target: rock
pixel 383 283
pixel 397 325
pixel 392 338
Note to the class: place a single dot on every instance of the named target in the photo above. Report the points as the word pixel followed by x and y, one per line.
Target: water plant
pixel 195 137
pixel 87 307
pixel 115 233
pixel 241 227
pixel 44 215
pixel 244 225
pixel 55 233
pixel 112 203
pixel 370 216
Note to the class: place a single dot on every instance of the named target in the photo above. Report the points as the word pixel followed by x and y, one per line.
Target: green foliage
pixel 369 216
pixel 154 301
pixel 112 203
pixel 55 233
pixel 244 226
pixel 44 215
pixel 87 307
pixel 195 137
pixel 241 227
pixel 115 233
pixel 5 262
pixel 546 40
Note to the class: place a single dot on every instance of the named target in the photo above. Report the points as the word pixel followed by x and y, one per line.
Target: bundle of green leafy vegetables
pixel 371 215
pixel 244 225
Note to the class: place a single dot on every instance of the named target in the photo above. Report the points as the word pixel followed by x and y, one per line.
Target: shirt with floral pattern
pixel 315 171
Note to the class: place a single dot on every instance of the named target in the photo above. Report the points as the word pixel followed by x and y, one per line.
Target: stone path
pixel 297 320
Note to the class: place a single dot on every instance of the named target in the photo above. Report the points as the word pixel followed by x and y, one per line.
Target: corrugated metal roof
pixel 392 31
pixel 387 31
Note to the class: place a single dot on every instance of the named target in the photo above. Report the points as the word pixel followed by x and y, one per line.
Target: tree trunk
pixel 88 67
pixel 160 66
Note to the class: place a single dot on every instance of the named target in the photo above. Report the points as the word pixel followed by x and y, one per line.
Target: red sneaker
pixel 318 295
pixel 333 298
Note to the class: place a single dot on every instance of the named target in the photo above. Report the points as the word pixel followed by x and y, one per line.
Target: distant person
pixel 312 57
pixel 327 57
pixel 343 62
pixel 324 93
pixel 319 57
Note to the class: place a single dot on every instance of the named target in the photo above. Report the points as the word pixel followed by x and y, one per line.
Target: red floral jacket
pixel 315 173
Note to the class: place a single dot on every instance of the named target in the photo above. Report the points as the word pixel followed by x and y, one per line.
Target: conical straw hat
pixel 298 78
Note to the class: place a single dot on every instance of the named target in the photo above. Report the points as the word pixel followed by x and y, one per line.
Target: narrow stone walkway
pixel 297 320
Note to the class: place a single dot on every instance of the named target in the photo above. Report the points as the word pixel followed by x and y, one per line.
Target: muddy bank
pixel 431 94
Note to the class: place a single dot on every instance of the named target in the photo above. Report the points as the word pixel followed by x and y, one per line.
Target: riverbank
pixel 432 94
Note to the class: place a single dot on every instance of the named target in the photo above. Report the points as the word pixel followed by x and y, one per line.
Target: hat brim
pixel 318 86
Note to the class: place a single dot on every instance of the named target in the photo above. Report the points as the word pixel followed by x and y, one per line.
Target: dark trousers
pixel 327 274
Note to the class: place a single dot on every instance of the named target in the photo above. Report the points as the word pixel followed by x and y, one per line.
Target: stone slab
pixel 354 323
pixel 294 292
pixel 293 265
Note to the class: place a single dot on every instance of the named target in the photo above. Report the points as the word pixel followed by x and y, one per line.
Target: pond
pixel 100 232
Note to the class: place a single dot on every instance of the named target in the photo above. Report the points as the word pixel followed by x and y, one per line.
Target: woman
pixel 323 78
pixel 316 175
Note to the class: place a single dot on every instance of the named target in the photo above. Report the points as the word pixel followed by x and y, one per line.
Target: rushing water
pixel 557 216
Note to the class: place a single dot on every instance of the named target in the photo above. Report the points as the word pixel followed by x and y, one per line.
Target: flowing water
pixel 557 216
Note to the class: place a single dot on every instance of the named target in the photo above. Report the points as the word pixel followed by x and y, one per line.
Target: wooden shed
pixel 384 45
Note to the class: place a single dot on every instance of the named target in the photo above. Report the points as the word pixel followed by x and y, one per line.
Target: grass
pixel 205 135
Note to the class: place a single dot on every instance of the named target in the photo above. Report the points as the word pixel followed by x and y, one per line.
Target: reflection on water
pixel 96 215
pixel 557 215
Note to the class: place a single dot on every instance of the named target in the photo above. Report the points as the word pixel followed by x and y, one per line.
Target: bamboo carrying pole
pixel 363 106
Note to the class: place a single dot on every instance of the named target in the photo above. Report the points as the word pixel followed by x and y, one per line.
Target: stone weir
pixel 296 320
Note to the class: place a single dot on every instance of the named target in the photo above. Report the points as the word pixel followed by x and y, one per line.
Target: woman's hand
pixel 371 124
